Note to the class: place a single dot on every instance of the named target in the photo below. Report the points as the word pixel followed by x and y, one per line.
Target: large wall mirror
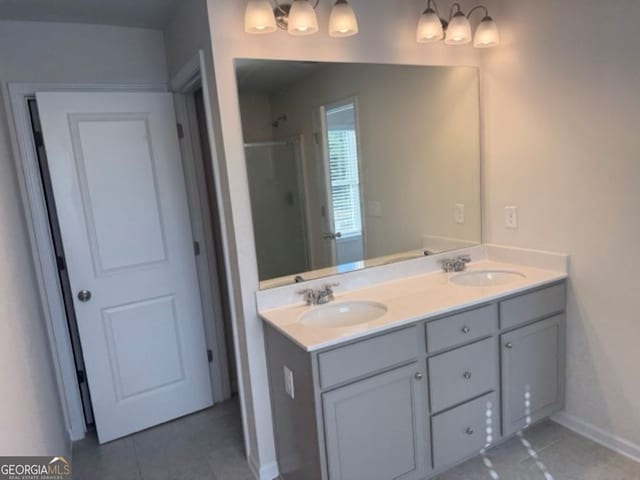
pixel 356 165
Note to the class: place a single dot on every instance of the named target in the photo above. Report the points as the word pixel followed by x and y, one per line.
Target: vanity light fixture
pixel 298 18
pixel 457 30
pixel 487 34
pixel 259 17
pixel 430 26
pixel 343 21
pixel 302 18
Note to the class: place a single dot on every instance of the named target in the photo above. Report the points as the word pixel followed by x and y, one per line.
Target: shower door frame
pixel 298 141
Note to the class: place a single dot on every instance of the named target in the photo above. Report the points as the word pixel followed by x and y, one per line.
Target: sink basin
pixel 343 314
pixel 485 278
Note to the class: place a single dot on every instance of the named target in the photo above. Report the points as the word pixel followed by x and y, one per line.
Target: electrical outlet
pixel 288 382
pixel 459 213
pixel 511 217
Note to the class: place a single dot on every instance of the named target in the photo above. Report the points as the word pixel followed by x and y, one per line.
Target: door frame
pixel 192 72
pixel 183 85
pixel 37 220
pixel 350 100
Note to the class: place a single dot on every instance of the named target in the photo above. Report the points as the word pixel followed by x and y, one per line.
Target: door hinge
pixel 316 138
pixel 81 378
pixel 196 248
pixel 60 263
pixel 210 356
pixel 180 131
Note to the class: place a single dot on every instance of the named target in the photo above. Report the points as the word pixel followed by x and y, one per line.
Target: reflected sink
pixel 485 278
pixel 343 314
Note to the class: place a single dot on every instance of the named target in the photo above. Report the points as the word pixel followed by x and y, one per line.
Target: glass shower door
pixel 278 207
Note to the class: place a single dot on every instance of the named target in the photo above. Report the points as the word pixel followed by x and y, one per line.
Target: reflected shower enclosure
pixel 274 169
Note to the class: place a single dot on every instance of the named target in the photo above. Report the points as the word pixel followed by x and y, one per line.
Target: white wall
pixel 562 112
pixel 257 117
pixel 419 147
pixel 31 419
pixel 387 36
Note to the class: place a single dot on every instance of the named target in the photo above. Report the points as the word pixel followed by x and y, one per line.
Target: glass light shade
pixel 259 17
pixel 343 21
pixel 487 34
pixel 458 31
pixel 302 18
pixel 429 27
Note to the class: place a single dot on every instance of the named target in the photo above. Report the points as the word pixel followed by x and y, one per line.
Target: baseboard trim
pixel 268 471
pixel 613 442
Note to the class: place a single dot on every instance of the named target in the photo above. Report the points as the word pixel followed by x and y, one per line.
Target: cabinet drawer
pixel 368 356
pixel 532 306
pixel 463 373
pixel 450 331
pixel 463 431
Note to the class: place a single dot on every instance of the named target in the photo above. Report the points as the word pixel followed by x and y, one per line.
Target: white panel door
pixel 120 195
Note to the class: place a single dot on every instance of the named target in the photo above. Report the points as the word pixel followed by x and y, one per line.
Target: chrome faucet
pixel 457 264
pixel 318 297
pixel 326 294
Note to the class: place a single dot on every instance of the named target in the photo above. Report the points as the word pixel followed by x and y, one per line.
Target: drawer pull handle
pixel 418 376
pixel 465 329
pixel 509 345
pixel 469 431
pixel 467 375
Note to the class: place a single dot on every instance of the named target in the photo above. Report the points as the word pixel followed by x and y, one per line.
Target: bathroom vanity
pixel 449 369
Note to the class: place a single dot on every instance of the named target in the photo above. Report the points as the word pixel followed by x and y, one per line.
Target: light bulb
pixel 259 17
pixel 343 21
pixel 487 34
pixel 302 18
pixel 429 27
pixel 458 31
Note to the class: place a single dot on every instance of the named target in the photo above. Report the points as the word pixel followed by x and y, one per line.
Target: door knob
pixel 466 329
pixel 469 431
pixel 509 345
pixel 467 375
pixel 84 295
pixel 418 376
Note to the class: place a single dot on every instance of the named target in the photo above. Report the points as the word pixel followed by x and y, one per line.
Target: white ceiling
pixel 128 13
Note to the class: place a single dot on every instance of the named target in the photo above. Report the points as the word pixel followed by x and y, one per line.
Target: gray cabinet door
pixel 532 373
pixel 376 429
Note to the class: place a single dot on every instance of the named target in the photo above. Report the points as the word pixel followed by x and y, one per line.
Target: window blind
pixel 345 181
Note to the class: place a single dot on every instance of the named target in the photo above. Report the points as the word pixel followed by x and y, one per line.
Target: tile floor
pixel 561 455
pixel 205 445
pixel 208 445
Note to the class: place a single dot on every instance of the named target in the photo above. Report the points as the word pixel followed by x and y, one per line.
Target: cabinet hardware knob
pixel 465 329
pixel 467 375
pixel 469 431
pixel 509 345
pixel 418 376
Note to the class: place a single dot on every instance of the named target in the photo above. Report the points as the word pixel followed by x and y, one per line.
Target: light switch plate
pixel 511 217
pixel 459 213
pixel 288 382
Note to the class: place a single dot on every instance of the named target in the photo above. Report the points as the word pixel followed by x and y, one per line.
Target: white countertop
pixel 408 300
